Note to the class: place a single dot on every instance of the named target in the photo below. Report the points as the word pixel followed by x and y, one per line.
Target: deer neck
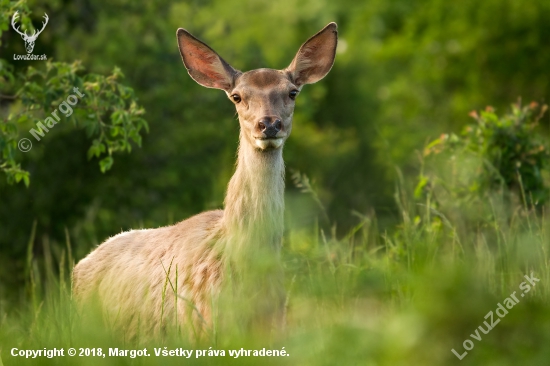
pixel 254 204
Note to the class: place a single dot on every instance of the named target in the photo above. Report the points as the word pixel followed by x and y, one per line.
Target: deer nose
pixel 270 126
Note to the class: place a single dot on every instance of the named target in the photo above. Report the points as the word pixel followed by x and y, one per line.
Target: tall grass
pixel 404 296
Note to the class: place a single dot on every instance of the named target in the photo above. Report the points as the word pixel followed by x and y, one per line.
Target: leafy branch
pixel 108 111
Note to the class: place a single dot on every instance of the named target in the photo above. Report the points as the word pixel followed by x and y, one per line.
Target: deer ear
pixel 203 64
pixel 316 57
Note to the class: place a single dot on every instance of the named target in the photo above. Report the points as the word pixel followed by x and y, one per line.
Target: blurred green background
pixel 405 73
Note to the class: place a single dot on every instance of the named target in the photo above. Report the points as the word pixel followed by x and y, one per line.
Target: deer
pixel 29 40
pixel 229 256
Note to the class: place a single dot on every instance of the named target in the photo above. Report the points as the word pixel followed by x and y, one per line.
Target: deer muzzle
pixel 269 132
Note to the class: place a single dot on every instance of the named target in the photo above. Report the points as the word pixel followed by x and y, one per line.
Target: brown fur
pixel 128 272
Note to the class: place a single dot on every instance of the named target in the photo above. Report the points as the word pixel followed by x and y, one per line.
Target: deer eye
pixel 236 98
pixel 293 94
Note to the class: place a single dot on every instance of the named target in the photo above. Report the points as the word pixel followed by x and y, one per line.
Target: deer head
pixel 264 98
pixel 29 40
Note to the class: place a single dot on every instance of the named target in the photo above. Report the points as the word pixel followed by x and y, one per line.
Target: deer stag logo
pixel 29 40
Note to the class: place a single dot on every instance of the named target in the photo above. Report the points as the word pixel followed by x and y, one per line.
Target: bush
pixel 500 153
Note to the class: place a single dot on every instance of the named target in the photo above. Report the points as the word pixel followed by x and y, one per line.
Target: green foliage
pixel 507 152
pixel 107 110
pixel 436 60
